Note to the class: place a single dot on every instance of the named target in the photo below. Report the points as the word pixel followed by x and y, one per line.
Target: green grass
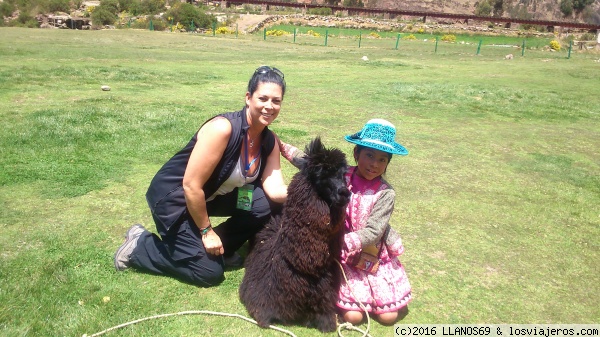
pixel 497 202
pixel 351 37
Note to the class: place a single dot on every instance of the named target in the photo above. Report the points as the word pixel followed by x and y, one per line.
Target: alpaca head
pixel 325 169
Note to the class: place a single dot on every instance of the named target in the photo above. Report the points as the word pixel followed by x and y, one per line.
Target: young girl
pixel 378 281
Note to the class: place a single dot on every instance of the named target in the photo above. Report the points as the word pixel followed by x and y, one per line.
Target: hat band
pixel 377 142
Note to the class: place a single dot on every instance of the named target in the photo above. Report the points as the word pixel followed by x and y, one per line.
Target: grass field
pixel 497 202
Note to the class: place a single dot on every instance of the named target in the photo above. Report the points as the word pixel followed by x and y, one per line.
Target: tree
pixel 580 5
pixel 103 16
pixel 186 13
pixel 6 9
pixel 132 6
pixel 498 8
pixel 566 7
pixel 110 5
pixel 489 8
pixel 353 3
pixel 483 8
pixel 153 6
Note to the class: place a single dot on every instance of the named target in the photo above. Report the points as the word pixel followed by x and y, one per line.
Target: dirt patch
pixel 247 21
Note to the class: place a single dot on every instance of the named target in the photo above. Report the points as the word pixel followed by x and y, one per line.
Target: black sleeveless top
pixel 165 195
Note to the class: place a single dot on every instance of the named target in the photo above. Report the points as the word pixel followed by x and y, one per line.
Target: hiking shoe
pixel 234 260
pixel 124 252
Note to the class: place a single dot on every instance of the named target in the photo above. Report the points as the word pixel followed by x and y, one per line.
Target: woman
pixel 230 168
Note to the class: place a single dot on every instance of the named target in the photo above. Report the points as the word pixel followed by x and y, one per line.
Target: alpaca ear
pixel 301 162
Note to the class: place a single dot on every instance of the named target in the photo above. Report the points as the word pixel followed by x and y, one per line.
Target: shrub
pixel 449 38
pixel 313 33
pixel 6 9
pixel 25 20
pixel 132 6
pixel 555 45
pixel 320 11
pixel 176 27
pixel 226 30
pixel 102 16
pixel 152 6
pixel 409 37
pixel 375 35
pixel 110 5
pixel 140 23
pixel 277 32
pixel 58 6
pixel 188 14
pixel 158 24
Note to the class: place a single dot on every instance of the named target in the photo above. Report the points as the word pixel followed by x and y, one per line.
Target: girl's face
pixel 264 104
pixel 371 163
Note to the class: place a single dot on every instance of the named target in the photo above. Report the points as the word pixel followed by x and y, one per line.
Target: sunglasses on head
pixel 267 69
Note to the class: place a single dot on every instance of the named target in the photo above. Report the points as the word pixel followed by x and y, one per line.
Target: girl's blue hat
pixel 378 134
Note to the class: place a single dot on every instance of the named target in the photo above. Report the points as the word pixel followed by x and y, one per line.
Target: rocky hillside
pixel 522 9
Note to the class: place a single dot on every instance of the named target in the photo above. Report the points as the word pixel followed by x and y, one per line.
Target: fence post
pixel 265 34
pixel 236 30
pixel 479 47
pixel 523 49
pixel 326 36
pixel 214 27
pixel 295 29
pixel 436 43
pixel 359 38
pixel 192 27
pixel 151 25
pixel 397 40
pixel 570 46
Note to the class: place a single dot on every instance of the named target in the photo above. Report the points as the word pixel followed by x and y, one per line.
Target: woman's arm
pixel 208 151
pixel 272 179
pixel 293 154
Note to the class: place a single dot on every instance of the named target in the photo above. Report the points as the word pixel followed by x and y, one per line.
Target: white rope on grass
pixel 346 325
pixel 191 312
pixel 349 325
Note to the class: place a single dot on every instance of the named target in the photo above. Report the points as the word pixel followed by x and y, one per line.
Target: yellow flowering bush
pixel 313 33
pixel 375 35
pixel 276 32
pixel 409 37
pixel 224 30
pixel 176 27
pixel 449 38
pixel 555 45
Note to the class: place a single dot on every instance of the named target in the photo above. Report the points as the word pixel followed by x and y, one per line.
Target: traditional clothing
pixel 367 223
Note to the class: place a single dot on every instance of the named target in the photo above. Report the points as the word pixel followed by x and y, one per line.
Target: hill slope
pixel 522 9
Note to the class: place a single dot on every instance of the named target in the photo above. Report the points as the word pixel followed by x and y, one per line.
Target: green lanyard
pixel 248 164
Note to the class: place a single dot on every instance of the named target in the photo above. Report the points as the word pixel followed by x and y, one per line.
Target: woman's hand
pixel 212 243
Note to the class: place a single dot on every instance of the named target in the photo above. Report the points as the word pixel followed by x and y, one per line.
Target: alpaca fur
pixel 291 274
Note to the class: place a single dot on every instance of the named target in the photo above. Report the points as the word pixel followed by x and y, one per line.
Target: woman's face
pixel 371 163
pixel 264 104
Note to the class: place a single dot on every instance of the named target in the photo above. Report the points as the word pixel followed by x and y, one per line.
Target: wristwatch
pixel 204 231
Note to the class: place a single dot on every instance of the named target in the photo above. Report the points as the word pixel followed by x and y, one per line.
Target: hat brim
pixel 394 148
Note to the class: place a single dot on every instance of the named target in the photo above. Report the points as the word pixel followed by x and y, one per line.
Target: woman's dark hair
pixel 266 74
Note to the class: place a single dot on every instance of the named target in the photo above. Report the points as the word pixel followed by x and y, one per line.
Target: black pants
pixel 179 251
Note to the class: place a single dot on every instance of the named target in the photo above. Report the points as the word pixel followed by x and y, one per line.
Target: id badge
pixel 244 199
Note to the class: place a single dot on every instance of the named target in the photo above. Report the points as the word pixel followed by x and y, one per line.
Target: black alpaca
pixel 291 274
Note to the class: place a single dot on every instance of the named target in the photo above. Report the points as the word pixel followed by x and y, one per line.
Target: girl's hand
pixel 212 243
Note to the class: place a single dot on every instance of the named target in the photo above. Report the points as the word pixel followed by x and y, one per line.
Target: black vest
pixel 165 195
